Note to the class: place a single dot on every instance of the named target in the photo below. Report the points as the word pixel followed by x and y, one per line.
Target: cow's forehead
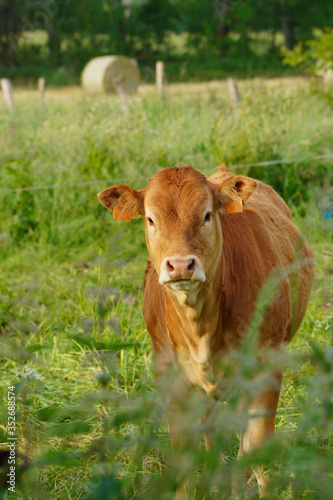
pixel 178 175
pixel 178 192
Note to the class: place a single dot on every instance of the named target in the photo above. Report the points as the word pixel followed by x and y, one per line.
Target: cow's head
pixel 183 231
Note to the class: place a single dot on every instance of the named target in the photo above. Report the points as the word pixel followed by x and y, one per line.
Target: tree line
pixel 79 29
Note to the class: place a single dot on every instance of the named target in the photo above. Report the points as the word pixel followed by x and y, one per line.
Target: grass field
pixel 89 421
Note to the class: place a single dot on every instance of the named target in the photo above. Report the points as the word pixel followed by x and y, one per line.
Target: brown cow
pixel 209 257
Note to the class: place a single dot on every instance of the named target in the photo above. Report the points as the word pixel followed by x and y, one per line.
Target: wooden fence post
pixel 7 92
pixel 41 88
pixel 118 85
pixel 233 93
pixel 160 78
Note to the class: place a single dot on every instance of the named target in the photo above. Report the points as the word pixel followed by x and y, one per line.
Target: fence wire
pixel 104 181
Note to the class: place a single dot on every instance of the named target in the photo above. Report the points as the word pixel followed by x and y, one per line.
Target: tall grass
pixel 90 421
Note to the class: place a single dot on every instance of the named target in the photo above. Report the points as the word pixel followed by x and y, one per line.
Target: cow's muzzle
pixel 182 273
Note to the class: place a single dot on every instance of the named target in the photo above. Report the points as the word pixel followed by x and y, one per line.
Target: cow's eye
pixel 151 222
pixel 208 216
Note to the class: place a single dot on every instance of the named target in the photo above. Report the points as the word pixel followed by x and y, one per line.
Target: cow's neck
pixel 193 329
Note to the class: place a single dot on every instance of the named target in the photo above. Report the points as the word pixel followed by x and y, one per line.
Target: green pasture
pixel 90 423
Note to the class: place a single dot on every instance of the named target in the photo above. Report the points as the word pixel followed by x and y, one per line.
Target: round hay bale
pixel 100 74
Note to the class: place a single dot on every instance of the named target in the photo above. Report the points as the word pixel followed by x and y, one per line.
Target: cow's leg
pixel 209 421
pixel 261 425
pixel 181 432
pixel 183 439
pixel 180 441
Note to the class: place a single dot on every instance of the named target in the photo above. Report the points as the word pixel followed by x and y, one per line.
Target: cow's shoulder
pixel 256 241
pixel 268 202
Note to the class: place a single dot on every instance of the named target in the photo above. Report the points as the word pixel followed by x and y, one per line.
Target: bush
pixel 314 55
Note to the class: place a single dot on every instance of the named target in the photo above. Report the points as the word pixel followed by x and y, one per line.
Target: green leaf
pixel 47 413
pixel 68 428
pixel 104 488
pixel 57 457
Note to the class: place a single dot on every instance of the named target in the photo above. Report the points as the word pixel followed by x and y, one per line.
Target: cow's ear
pixel 233 192
pixel 123 201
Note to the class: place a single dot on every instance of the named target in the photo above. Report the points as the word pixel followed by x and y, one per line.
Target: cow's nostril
pixel 190 267
pixel 169 266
